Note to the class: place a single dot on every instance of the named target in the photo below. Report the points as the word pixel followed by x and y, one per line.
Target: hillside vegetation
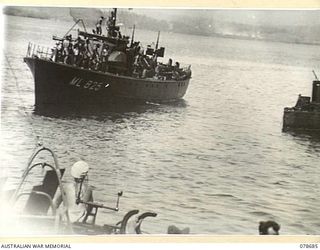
pixel 195 24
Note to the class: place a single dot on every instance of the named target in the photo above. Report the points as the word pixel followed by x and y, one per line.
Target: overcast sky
pixel 264 17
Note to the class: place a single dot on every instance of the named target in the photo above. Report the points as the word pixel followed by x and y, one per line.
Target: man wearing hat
pixel 76 191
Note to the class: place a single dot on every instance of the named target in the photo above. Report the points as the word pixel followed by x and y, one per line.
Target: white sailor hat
pixel 79 169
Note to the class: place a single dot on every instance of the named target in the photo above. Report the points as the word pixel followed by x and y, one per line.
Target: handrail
pixel 30 167
pixel 35 50
pixel 53 208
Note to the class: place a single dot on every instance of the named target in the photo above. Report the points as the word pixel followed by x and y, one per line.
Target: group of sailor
pixel 80 53
pixel 94 54
pixel 146 66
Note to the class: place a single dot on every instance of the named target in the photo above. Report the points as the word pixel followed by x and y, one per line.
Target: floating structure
pixel 305 115
pixel 94 68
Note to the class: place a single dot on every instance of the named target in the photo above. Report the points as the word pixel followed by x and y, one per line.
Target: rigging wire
pixel 29 119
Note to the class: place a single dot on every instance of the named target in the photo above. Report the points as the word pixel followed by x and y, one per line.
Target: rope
pixel 21 101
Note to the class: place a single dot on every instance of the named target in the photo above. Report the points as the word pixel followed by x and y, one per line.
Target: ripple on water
pixel 216 162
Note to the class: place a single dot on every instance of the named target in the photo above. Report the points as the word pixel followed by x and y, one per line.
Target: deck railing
pixel 42 52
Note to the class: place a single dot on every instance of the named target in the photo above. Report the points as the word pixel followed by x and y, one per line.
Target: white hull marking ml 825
pixel 90 85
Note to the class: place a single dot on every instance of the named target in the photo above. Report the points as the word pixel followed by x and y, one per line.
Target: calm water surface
pixel 216 162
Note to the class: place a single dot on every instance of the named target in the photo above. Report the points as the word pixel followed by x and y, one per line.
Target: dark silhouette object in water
pixel 269 228
pixel 306 114
pixel 174 230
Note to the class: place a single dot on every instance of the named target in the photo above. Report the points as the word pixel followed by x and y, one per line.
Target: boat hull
pixel 301 120
pixel 58 84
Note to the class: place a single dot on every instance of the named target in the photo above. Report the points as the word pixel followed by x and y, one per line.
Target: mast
pixel 132 36
pixel 157 44
pixel 115 16
pixel 315 75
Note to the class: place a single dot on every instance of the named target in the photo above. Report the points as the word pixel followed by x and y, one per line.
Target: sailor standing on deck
pixel 111 23
pixel 76 191
pixel 99 25
pixel 104 59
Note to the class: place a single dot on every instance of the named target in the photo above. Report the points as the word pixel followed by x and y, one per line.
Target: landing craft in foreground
pixel 94 68
pixel 44 206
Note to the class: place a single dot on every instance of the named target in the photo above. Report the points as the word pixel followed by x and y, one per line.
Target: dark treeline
pixel 38 12
pixel 189 24
pixel 141 21
pixel 89 15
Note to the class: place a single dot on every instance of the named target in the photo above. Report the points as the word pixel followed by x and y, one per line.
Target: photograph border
pixel 186 4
